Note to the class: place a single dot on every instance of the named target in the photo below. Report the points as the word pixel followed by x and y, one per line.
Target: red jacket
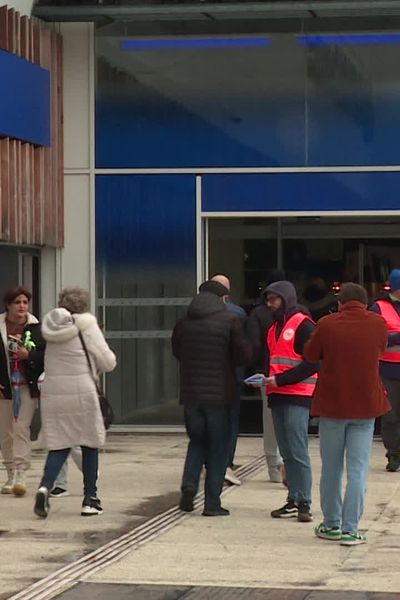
pixel 349 343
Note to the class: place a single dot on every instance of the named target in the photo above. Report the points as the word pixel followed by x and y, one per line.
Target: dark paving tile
pixel 105 591
pixel 123 591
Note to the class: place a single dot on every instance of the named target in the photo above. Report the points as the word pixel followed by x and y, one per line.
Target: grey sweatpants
pixel 271 449
pixel 390 423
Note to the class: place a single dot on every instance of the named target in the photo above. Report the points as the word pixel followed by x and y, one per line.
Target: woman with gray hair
pixel 70 407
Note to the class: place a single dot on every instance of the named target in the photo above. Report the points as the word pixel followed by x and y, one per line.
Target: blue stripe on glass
pixel 301 192
pixel 184 43
pixel 365 39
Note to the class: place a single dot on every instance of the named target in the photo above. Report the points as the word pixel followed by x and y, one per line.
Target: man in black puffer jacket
pixel 208 343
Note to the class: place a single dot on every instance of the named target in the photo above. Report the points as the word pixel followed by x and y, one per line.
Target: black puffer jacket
pixel 209 343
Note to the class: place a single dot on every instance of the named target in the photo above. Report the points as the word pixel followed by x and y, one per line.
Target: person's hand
pixel 1 391
pixel 22 353
pixel 270 381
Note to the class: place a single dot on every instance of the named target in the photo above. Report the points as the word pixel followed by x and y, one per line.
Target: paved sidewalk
pixel 140 476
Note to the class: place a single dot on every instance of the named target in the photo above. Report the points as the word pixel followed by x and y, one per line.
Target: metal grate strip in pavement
pixel 88 565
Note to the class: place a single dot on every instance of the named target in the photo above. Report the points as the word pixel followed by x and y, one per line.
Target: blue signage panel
pixel 301 192
pixel 24 100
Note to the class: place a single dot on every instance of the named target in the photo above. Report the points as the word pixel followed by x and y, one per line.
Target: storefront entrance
pixel 317 254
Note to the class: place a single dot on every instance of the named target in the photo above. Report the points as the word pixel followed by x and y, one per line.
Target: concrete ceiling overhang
pixel 216 11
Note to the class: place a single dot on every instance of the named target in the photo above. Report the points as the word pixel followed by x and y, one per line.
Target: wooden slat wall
pixel 31 177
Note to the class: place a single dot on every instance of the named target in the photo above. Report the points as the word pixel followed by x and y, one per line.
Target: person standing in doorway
pixel 389 308
pixel 258 323
pixel 21 363
pixel 290 387
pixel 349 396
pixel 230 476
pixel 209 343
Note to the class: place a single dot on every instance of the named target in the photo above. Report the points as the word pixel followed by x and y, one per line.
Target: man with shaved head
pixel 230 476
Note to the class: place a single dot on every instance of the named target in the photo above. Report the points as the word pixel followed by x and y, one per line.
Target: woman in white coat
pixel 70 408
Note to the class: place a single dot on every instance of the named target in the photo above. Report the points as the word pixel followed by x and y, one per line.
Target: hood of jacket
pixel 59 325
pixel 30 319
pixel 287 291
pixel 204 305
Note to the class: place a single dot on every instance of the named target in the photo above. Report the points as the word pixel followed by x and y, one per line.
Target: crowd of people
pixel 344 369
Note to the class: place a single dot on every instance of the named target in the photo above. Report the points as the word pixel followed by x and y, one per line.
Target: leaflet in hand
pixel 256 379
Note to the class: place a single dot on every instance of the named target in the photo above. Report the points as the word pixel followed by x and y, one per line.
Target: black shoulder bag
pixel 105 406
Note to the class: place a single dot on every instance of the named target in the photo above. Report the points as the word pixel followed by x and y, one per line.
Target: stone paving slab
pixel 249 549
pixel 139 478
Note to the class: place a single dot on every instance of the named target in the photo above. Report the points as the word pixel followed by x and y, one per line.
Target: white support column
pixel 77 262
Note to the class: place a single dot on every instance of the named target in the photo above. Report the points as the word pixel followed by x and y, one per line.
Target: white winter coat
pixel 70 408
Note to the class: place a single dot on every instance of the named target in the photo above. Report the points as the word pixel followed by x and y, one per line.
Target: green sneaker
pixel 352 539
pixel 328 533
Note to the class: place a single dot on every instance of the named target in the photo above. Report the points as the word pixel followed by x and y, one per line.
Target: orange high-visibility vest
pixel 284 357
pixel 389 313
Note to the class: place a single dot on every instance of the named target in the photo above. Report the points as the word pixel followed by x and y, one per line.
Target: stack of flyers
pixel 256 379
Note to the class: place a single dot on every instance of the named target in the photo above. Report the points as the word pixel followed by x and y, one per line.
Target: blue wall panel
pixel 301 192
pixel 24 100
pixel 146 221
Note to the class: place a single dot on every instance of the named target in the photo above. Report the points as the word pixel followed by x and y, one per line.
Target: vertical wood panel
pixel 11 38
pixel 12 182
pixel 60 129
pixel 3 28
pixel 31 178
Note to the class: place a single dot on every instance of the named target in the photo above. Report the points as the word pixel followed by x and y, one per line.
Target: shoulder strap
pixel 87 357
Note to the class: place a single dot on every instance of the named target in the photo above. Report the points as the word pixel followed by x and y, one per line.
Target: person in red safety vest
pixel 389 308
pixel 290 387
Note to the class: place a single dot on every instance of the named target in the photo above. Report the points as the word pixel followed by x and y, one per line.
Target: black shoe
pixel 42 506
pixel 186 502
pixel 90 507
pixel 393 463
pixel 58 492
pixel 220 512
pixel 287 511
pixel 304 514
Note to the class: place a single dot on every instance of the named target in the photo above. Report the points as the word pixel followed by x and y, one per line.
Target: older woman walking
pixel 70 408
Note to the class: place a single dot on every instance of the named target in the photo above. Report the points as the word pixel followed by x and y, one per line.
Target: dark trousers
pixel 90 465
pixel 390 423
pixel 208 430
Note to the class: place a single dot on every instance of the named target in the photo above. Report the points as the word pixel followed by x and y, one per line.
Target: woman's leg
pixel 90 465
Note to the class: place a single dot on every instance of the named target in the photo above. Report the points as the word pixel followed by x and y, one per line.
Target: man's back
pixel 349 343
pixel 209 342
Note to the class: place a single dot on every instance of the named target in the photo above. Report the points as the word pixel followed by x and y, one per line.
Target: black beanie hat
pixel 214 287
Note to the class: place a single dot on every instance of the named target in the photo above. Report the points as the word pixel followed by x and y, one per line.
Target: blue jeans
pixel 291 430
pixel 90 464
pixel 208 430
pixel 353 438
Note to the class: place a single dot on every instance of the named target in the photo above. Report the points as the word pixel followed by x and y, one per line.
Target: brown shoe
pixel 304 514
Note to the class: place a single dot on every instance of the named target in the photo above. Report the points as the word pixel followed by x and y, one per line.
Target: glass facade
pixel 284 99
pixel 221 99
pixel 145 231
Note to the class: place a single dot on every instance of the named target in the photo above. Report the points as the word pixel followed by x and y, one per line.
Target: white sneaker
pixel 277 474
pixel 230 477
pixel 19 487
pixel 42 507
pixel 7 488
